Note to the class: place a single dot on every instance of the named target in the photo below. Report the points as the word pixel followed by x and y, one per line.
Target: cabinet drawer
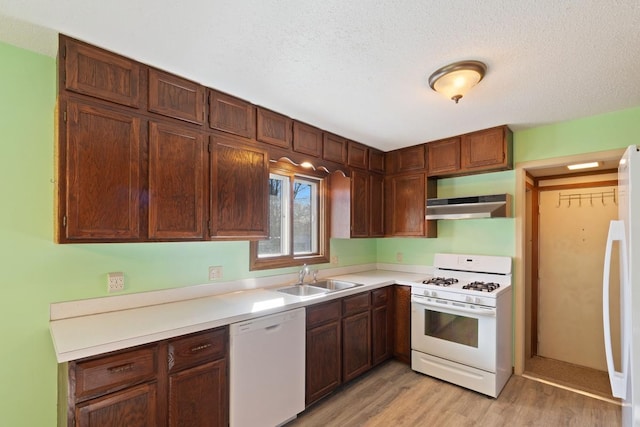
pixel 197 348
pixel 323 313
pixel 116 371
pixel 355 303
pixel 380 296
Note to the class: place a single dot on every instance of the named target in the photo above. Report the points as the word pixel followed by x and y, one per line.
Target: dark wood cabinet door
pixel 381 327
pixel 382 324
pixel 132 407
pixel 376 205
pixel 406 160
pixel 405 209
pixel 402 314
pixel 173 96
pixel 357 155
pixel 376 160
pixel 177 179
pixel 96 72
pixel 274 128
pixel 359 204
pixel 231 114
pixel 444 156
pixel 356 345
pixel 101 175
pixel 334 148
pixel 307 139
pixel 486 149
pixel 239 189
pixel 199 396
pixel 323 360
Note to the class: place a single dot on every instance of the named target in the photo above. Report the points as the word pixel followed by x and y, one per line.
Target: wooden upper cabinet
pixel 487 149
pixel 274 128
pixel 357 155
pixel 406 159
pixel 101 175
pixel 334 148
pixel 376 160
pixel 376 205
pixel 405 205
pixel 178 167
pixel 359 204
pixel 444 156
pixel 173 96
pixel 482 151
pixel 239 189
pixel 307 139
pixel 96 72
pixel 231 114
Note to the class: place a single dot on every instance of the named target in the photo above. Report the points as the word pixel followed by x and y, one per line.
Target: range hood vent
pixel 492 206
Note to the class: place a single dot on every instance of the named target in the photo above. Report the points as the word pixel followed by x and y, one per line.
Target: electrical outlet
pixel 215 272
pixel 115 281
pixel 399 256
pixel 334 260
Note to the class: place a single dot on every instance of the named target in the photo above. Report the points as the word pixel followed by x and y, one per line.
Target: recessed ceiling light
pixel 583 166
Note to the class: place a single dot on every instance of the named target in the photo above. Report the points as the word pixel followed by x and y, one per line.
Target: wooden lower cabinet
pixel 402 325
pixel 323 350
pixel 381 324
pixel 345 338
pixel 197 396
pixel 356 345
pixel 177 382
pixel 133 407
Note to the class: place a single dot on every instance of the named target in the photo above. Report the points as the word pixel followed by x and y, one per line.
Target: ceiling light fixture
pixel 455 80
pixel 583 166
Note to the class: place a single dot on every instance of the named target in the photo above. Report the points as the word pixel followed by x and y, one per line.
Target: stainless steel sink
pixel 318 288
pixel 334 285
pixel 302 290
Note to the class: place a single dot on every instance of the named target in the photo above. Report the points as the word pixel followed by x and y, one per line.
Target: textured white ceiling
pixel 359 68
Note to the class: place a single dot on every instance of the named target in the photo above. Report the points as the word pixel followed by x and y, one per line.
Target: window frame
pixel 323 234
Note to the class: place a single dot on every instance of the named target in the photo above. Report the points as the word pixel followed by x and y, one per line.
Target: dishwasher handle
pixel 269 323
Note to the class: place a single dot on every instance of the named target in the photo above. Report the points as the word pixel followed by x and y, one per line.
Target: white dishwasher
pixel 267 369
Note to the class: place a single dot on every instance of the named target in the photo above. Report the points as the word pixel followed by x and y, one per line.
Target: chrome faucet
pixel 303 272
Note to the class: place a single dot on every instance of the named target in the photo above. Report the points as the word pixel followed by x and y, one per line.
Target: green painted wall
pixel 37 272
pixel 590 134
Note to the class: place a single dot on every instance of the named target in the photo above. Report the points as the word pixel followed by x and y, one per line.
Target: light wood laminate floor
pixel 394 395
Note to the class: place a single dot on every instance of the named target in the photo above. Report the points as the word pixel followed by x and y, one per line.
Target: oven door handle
pixel 489 312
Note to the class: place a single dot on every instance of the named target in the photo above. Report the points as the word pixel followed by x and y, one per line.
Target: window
pixel 297 222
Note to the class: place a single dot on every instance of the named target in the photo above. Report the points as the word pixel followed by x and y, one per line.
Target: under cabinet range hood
pixel 491 206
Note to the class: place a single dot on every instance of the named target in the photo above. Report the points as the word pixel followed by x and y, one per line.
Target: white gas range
pixel 461 322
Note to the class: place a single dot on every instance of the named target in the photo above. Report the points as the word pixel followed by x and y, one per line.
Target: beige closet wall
pixel 573 230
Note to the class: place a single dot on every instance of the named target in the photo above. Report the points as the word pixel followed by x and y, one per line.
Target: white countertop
pixel 89 335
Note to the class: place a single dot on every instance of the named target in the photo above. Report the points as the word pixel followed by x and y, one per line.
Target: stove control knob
pixel 469 299
pixel 434 294
pixel 478 300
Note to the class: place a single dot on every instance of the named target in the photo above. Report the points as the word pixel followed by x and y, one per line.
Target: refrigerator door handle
pixel 618 379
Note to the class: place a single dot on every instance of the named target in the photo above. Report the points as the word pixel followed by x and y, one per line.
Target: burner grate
pixel 440 281
pixel 482 286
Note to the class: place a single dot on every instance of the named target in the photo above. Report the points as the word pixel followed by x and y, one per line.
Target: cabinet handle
pixel 121 368
pixel 200 348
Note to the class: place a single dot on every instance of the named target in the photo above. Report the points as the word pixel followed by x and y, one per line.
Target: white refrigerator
pixel 624 239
